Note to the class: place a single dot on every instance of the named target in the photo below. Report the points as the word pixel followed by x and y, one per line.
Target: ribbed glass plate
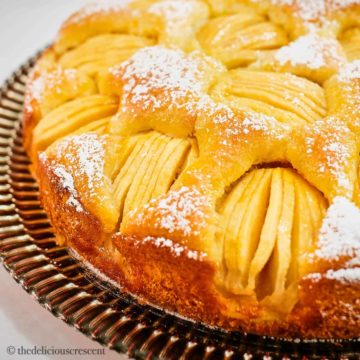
pixel 58 281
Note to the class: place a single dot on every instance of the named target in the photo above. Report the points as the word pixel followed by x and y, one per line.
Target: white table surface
pixel 25 27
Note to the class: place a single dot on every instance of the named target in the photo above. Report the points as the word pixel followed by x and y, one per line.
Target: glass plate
pixel 114 318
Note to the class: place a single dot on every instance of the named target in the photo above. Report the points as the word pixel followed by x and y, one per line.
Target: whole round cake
pixel 204 155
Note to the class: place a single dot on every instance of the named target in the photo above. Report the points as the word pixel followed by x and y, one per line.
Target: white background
pixel 26 26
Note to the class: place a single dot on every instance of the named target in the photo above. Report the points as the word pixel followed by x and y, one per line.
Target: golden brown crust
pixel 181 280
pixel 148 267
pixel 333 316
pixel 31 116
pixel 80 229
pixel 163 275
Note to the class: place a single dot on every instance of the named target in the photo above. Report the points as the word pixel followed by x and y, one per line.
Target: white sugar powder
pixel 340 232
pixel 310 10
pixel 309 50
pixel 350 72
pixel 103 6
pixel 67 181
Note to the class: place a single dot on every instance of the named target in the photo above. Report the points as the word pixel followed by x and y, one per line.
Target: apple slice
pixel 281 115
pixel 317 205
pixel 129 170
pixel 169 166
pixel 273 278
pixel 118 151
pixel 234 243
pixel 71 116
pixel 97 126
pixel 269 230
pixel 145 168
pixel 256 204
pixel 302 229
pixel 102 52
pixel 227 237
pixel 278 90
pixel 190 158
pixel 319 209
pixel 160 173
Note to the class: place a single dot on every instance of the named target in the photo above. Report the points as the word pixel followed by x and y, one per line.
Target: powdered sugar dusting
pixel 52 82
pixel 316 9
pixel 350 72
pixel 222 114
pixel 349 81
pixel 175 12
pixel 307 10
pixel 36 88
pixel 337 159
pixel 158 70
pixel 180 211
pixel 345 276
pixel 91 158
pixel 340 232
pixel 312 51
pixel 251 123
pixel 83 156
pixel 220 123
pixel 101 6
pixel 176 249
pixel 266 124
pixel 340 239
pixel 67 182
pixel 87 160
pixel 337 152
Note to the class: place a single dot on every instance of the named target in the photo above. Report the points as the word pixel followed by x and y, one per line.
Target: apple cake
pixel 204 155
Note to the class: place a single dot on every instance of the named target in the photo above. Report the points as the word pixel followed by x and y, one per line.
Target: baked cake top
pixel 228 88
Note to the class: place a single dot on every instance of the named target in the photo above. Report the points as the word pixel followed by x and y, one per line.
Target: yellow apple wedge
pixel 302 229
pixel 269 230
pixel 98 126
pixel 276 90
pixel 281 115
pixel 233 244
pixel 160 172
pixel 229 229
pixel 71 116
pixel 317 205
pixel 148 181
pixel 169 166
pixel 256 204
pixel 219 35
pixel 102 52
pixel 145 169
pixel 118 152
pixel 274 276
pixel 128 172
